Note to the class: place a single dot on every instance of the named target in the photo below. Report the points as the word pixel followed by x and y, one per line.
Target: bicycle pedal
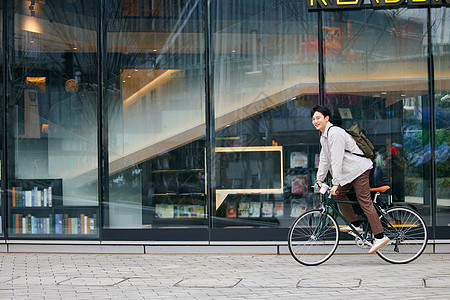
pixel 363 244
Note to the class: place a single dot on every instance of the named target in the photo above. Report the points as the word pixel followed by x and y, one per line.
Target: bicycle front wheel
pixel 408 233
pixel 313 237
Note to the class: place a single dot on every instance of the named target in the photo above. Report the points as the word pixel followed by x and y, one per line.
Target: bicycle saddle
pixel 380 189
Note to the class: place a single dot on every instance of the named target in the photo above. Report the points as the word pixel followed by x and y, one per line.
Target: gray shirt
pixel 344 166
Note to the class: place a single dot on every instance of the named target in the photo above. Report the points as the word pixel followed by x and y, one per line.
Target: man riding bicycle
pixel 348 170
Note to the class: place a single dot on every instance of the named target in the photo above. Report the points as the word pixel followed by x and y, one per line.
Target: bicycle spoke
pixel 313 238
pixel 408 234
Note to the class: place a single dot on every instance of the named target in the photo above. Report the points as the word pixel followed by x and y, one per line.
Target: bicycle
pixel 314 235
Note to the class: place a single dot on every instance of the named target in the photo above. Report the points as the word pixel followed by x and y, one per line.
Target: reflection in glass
pixel 2 193
pixel 155 106
pixel 441 46
pixel 376 75
pixel 53 120
pixel 265 81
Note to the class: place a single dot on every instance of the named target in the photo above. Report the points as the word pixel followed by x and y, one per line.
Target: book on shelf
pixel 267 209
pixel 298 208
pixel 83 228
pixel 279 209
pixel 59 223
pixel 75 225
pixel 197 211
pixel 13 196
pixel 231 210
pixel 181 211
pixel 31 198
pixel 299 160
pixel 66 223
pixel 94 225
pixel 299 184
pixel 82 224
pixel 24 225
pixel 255 210
pixel 164 211
pixel 17 225
pixel 50 196
pixel 30 224
pixel 244 209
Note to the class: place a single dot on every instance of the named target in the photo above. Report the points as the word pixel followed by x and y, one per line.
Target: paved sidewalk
pixel 144 276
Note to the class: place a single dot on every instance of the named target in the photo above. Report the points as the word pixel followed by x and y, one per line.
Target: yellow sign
pixel 385 4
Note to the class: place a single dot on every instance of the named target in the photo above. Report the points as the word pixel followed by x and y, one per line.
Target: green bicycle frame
pixel 328 207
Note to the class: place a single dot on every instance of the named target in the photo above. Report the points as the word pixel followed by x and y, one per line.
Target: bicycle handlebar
pixel 325 188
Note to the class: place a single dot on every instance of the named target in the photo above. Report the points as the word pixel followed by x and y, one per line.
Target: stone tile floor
pixel 193 276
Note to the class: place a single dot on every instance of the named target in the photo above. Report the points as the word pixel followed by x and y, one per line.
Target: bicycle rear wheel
pixel 408 233
pixel 313 237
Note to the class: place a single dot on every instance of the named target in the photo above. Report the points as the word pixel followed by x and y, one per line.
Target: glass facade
pixel 265 81
pixel 154 94
pixel 190 120
pixel 52 120
pixel 2 194
pixel 382 84
pixel 440 19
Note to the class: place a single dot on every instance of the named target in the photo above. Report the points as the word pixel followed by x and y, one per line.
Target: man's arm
pixel 324 166
pixel 336 142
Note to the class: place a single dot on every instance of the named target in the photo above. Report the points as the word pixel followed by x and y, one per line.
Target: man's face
pixel 320 121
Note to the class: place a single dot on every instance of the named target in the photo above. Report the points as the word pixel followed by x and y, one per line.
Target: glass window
pixel 376 75
pixel 156 124
pixel 52 117
pixel 265 81
pixel 2 194
pixel 441 49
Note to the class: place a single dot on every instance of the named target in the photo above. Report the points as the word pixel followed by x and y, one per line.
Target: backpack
pixel 361 140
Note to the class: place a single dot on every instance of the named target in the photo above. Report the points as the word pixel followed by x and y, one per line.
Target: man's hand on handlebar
pixel 334 191
pixel 318 184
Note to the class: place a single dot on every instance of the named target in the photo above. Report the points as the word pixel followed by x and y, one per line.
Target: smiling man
pixel 349 168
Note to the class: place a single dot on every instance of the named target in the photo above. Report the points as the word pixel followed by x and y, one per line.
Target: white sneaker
pixel 349 229
pixel 378 243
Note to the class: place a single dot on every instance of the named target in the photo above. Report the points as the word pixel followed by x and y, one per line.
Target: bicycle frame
pixel 329 206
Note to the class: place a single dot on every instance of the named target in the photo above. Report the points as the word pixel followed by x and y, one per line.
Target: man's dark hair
pixel 322 109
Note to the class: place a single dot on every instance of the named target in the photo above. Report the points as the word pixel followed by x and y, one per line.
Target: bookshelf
pixel 265 207
pixel 302 163
pixel 179 194
pixel 36 209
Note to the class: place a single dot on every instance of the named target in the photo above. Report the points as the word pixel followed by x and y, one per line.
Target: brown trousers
pixel 362 189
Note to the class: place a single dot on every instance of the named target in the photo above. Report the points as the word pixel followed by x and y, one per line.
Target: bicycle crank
pixel 363 244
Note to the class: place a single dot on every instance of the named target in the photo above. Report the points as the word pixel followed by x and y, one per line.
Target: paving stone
pixel 110 276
